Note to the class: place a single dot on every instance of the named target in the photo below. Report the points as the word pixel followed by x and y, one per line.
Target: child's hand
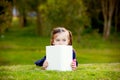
pixel 73 65
pixel 45 64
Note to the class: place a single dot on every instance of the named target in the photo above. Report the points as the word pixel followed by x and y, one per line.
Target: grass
pixel 104 71
pixel 21 47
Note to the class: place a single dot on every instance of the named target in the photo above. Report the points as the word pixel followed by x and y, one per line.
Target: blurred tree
pixel 103 15
pixel 117 16
pixel 22 7
pixel 25 6
pixel 5 15
pixel 34 6
pixel 95 14
pixel 68 13
pixel 108 7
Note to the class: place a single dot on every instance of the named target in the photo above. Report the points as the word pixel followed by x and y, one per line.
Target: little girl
pixel 60 36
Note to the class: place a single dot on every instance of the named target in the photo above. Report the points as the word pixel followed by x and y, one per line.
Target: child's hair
pixel 60 30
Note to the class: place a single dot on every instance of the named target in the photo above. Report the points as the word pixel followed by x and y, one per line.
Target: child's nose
pixel 60 43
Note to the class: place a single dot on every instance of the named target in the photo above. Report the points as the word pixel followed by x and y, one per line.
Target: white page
pixel 59 57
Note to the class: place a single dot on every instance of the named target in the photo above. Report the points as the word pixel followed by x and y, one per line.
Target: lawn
pixel 103 71
pixel 20 48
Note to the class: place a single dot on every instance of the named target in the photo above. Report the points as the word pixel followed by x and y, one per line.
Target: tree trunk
pixel 104 10
pixel 23 19
pixel 107 8
pixel 39 23
pixel 105 29
pixel 108 29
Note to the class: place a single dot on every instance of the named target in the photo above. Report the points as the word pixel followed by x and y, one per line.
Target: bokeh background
pixel 25 28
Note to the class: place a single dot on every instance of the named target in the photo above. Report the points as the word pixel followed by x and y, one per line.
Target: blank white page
pixel 59 57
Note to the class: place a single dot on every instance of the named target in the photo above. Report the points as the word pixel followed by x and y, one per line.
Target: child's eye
pixel 57 40
pixel 64 39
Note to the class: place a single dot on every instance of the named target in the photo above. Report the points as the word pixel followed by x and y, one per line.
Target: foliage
pixel 70 14
pixel 5 15
pixel 80 16
pixel 93 9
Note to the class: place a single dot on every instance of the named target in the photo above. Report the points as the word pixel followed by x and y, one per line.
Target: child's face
pixel 61 38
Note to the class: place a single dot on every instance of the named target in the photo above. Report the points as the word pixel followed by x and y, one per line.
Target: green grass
pixel 21 47
pixel 102 71
pixel 30 55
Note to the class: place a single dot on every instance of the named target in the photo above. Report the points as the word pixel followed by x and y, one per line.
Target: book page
pixel 59 57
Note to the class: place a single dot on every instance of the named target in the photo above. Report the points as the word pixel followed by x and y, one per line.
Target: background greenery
pixel 23 38
pixel 22 46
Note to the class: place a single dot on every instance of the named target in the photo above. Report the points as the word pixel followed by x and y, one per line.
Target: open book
pixel 59 57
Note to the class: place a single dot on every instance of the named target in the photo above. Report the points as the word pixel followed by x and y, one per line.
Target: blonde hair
pixel 59 30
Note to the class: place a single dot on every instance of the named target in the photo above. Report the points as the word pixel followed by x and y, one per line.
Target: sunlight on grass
pixel 102 71
pixel 98 55
pixel 28 55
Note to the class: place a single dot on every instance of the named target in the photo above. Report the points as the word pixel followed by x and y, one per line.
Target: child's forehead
pixel 63 34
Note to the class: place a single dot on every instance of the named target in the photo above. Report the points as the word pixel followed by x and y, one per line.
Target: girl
pixel 60 36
